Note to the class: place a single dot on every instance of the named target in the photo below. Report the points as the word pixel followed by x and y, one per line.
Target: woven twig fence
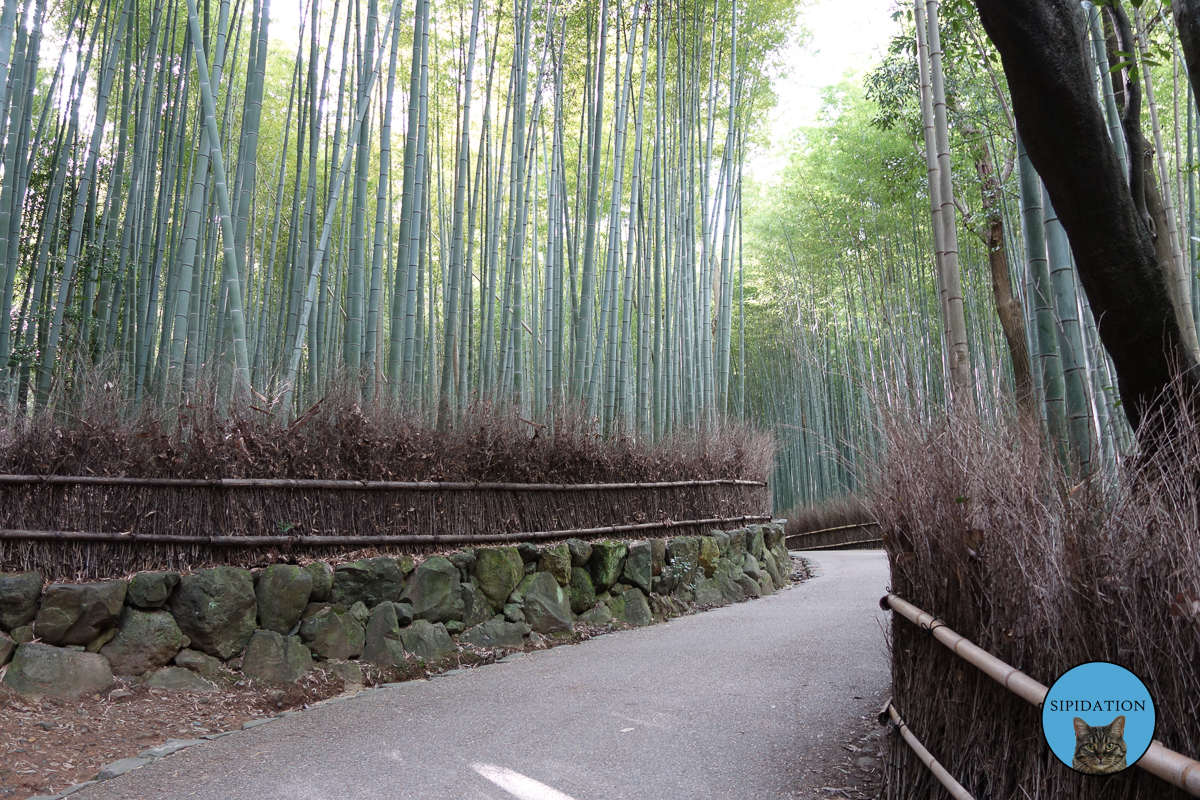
pixel 851 537
pixel 94 527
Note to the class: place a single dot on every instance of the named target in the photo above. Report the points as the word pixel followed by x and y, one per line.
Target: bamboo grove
pixel 909 253
pixel 439 203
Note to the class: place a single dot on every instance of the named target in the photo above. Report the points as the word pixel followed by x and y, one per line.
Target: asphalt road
pixel 732 703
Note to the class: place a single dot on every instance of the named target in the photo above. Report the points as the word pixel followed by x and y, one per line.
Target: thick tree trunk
pixel 1041 43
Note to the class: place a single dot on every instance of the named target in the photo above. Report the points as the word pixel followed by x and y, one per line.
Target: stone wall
pixel 175 631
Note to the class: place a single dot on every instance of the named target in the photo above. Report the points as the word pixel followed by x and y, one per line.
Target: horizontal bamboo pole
pixel 304 483
pixel 836 545
pixel 1175 768
pixel 359 541
pixel 956 789
pixel 838 528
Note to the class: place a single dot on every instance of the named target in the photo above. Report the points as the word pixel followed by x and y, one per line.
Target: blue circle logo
pixel 1098 718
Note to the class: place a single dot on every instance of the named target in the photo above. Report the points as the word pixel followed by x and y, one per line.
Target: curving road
pixel 732 703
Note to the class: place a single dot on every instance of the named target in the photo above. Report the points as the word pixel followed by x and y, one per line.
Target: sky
pixel 845 35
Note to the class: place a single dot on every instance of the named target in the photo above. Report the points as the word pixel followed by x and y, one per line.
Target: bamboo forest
pixel 554 206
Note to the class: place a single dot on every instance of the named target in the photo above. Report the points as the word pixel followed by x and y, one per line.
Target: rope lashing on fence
pixel 362 541
pixel 306 483
pixel 1175 768
pixel 956 789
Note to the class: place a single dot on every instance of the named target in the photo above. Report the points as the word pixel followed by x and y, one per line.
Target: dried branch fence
pixel 842 537
pixel 101 526
pixel 1176 769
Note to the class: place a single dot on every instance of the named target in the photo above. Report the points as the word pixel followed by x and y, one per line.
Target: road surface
pixel 737 702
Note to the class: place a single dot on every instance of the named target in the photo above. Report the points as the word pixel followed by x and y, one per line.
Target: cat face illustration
pixel 1099 749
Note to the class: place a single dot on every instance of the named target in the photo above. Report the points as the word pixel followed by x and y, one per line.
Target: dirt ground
pixel 48 745
pixel 851 766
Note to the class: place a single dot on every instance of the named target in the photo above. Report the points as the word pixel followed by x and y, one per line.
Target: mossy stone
pixel 581 590
pixel 151 589
pixel 556 559
pixel 498 570
pixel 606 563
pixel 322 581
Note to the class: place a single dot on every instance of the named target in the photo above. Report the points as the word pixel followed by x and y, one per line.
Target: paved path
pixel 715 705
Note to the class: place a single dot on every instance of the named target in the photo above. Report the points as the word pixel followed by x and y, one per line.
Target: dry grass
pixel 337 439
pixel 984 531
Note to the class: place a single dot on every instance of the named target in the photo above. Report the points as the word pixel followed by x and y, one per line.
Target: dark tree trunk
pixel 1187 22
pixel 1042 45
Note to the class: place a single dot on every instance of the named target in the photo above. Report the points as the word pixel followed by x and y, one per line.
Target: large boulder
pixel 772 535
pixel 766 585
pixel 333 633
pixel 427 640
pixel 755 542
pixel 39 670
pixel 78 613
pixel 19 593
pixel 556 559
pixel 496 633
pixel 434 591
pixel 518 594
pixel 683 557
pixel 606 562
pixel 547 606
pixel 7 647
pixel 710 551
pixel 658 556
pixel 751 567
pixel 750 587
pixel 737 546
pixel 216 609
pixel 145 641
pixel 382 643
pixel 771 566
pixel 498 570
pixel 476 608
pixel 581 591
pixel 464 561
pixel 322 581
pixel 282 592
pixel 274 658
pixel 151 589
pixel 727 576
pixel 580 552
pixel 371 581
pixel 639 566
pixel 707 591
pixel 631 606
pixel 722 541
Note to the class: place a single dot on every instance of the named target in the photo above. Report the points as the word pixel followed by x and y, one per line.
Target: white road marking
pixel 518 785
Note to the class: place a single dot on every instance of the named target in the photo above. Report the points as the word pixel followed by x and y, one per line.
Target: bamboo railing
pixel 1174 768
